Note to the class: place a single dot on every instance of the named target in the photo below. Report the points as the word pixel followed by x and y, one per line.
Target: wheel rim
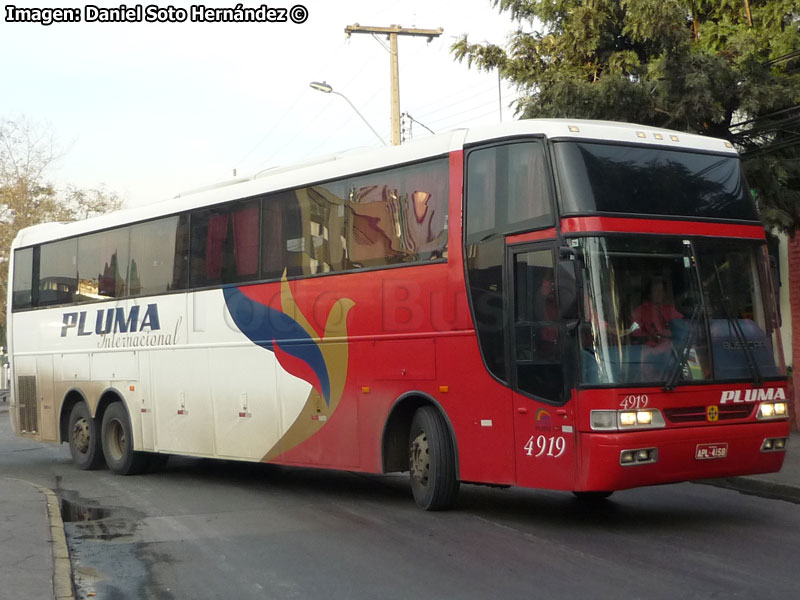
pixel 116 440
pixel 81 435
pixel 420 460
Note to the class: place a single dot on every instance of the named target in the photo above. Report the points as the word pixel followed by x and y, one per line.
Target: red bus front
pixel 623 292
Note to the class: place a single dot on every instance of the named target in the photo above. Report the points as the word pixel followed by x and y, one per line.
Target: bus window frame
pixel 553 224
pixel 564 337
pixel 444 158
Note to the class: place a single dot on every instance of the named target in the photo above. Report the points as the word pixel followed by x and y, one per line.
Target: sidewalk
pixel 783 485
pixel 34 561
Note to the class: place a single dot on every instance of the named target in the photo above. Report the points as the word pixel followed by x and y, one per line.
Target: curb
pixel 757 487
pixel 62 568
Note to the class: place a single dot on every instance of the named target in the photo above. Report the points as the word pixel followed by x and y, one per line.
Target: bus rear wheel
pixel 431 461
pixel 84 439
pixel 117 439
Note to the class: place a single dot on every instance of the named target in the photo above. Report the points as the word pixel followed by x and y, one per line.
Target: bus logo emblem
pixel 712 413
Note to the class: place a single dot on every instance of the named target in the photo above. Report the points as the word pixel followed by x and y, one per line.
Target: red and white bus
pixel 571 305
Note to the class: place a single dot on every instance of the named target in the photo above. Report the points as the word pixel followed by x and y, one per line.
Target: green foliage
pixel 27 198
pixel 691 65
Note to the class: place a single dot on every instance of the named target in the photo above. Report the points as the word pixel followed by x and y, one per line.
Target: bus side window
pixel 23 279
pixel 158 256
pixel 224 243
pixel 103 265
pixel 58 272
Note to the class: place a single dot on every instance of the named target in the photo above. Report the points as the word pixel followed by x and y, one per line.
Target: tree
pixel 725 68
pixel 27 197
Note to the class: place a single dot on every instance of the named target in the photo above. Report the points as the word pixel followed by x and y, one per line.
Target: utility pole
pixel 394 70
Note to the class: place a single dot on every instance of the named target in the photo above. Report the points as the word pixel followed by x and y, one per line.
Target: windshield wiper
pixel 683 355
pixel 737 330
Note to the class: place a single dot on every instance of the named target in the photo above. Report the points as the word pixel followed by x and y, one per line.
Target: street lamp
pixel 327 89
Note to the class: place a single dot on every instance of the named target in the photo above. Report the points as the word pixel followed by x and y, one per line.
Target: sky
pixel 149 110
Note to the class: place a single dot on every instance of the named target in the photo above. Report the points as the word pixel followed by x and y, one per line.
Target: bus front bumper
pixel 680 454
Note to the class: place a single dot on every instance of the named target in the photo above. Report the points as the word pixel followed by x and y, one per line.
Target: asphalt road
pixel 206 529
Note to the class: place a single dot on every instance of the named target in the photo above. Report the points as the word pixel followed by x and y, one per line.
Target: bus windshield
pixel 613 179
pixel 663 311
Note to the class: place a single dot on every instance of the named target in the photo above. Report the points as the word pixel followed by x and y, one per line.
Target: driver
pixel 654 314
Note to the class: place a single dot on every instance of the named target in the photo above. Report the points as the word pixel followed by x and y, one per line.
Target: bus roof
pixel 354 161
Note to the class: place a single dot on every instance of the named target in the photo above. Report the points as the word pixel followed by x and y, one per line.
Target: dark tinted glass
pixel 103 265
pixel 485 265
pixel 734 277
pixel 537 352
pixel 158 256
pixel 23 278
pixel 58 272
pixel 654 181
pixel 225 244
pixel 507 189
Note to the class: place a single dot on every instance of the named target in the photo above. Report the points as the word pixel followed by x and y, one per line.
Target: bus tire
pixel 431 461
pixel 84 438
pixel 117 439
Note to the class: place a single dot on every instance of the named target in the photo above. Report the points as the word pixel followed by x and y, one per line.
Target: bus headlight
pixel 604 420
pixel 774 445
pixel 615 420
pixel 640 419
pixel 772 410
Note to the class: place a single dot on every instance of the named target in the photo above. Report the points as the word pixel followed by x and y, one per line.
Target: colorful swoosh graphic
pixel 268 328
pixel 298 348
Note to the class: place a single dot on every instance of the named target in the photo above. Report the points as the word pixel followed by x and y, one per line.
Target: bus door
pixel 544 425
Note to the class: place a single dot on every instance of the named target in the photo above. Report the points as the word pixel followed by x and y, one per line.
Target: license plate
pixel 710 451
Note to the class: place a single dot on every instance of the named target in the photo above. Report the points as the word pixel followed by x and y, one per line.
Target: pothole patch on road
pixel 103 548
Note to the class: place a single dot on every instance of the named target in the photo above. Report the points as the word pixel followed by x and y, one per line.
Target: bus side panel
pixel 140 406
pixel 479 409
pixel 545 446
pixel 184 415
pixel 246 408
pixel 48 427
pixel 407 332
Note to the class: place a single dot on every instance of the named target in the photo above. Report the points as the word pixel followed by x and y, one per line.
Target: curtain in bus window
pixel 225 244
pixel 217 231
pixel 245 237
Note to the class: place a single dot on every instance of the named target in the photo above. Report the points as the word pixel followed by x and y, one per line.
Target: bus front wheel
pixel 84 439
pixel 431 461
pixel 118 442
